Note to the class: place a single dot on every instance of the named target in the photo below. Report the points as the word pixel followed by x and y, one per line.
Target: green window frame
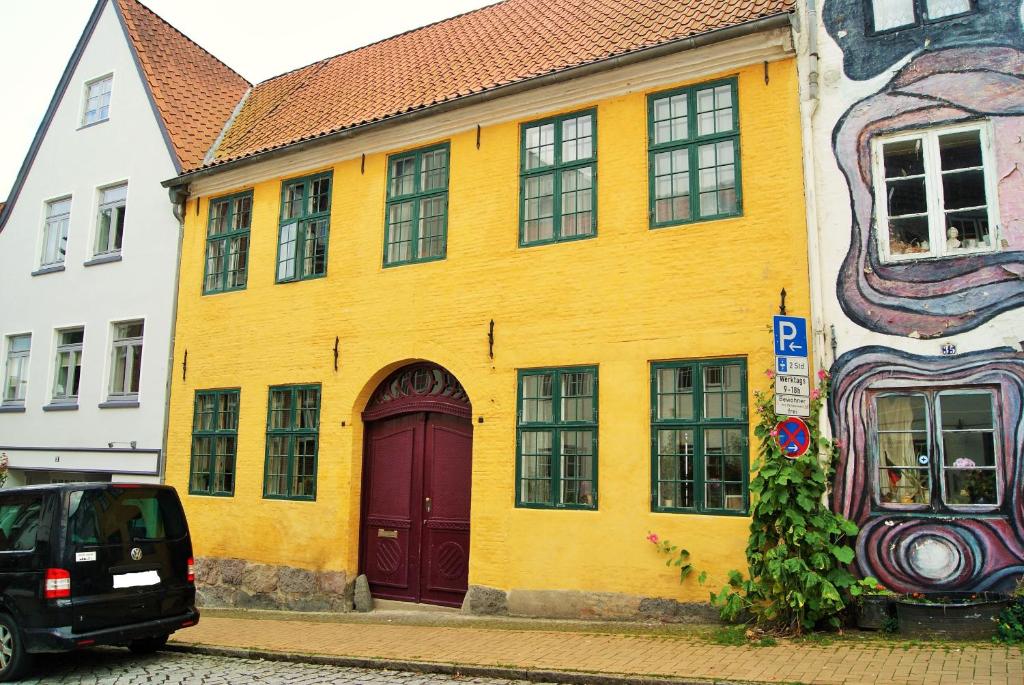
pixel 693 137
pixel 227 243
pixel 700 462
pixel 556 438
pixel 416 211
pixel 558 179
pixel 214 442
pixel 293 441
pixel 305 228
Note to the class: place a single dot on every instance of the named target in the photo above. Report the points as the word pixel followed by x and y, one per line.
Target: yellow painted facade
pixel 619 301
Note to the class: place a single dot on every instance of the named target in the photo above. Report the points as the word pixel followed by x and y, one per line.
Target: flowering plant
pixel 676 556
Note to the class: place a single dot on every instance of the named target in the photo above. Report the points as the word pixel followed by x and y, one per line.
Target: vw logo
pixel 136 553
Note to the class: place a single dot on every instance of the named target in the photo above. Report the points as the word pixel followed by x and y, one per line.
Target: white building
pixel 88 250
pixel 913 113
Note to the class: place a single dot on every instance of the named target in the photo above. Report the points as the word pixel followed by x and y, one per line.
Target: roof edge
pixel 209 156
pixel 772 21
pixel 137 59
pixel 51 111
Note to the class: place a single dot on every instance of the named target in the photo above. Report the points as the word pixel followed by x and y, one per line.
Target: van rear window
pixel 115 516
pixel 19 522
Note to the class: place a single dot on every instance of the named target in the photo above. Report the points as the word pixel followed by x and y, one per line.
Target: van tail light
pixel 58 583
pixel 191 577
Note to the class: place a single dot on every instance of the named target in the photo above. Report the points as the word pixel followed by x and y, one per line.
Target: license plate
pixel 136 579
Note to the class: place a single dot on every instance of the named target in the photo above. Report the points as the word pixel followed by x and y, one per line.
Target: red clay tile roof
pixel 193 90
pixel 510 41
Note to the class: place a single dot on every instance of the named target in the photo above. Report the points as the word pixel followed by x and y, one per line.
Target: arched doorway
pixel 417 475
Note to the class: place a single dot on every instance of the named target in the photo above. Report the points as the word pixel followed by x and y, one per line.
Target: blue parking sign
pixel 790 336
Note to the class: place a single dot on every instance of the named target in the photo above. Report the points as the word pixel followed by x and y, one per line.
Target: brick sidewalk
pixel 583 649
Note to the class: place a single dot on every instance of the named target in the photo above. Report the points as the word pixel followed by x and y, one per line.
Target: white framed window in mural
pixel 935 193
pixel 16 369
pixel 55 232
pixel 126 361
pixel 68 367
pixel 97 100
pixel 937 450
pixel 890 15
pixel 110 220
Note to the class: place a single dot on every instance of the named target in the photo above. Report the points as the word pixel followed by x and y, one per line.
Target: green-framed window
pixel 227 243
pixel 556 438
pixel 214 442
pixel 694 148
pixel 558 179
pixel 699 437
pixel 416 216
pixel 293 437
pixel 305 227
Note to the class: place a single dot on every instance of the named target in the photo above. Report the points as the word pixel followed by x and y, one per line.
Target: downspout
pixel 179 196
pixel 808 109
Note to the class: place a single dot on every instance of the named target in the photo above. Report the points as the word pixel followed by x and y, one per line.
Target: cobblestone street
pixel 121 667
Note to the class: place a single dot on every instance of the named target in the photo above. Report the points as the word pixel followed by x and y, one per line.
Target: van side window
pixel 19 522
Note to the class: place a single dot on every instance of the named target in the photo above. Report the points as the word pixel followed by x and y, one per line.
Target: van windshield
pixel 19 522
pixel 114 516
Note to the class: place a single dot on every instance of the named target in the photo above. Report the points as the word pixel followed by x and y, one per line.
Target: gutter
pixel 179 196
pixel 775 21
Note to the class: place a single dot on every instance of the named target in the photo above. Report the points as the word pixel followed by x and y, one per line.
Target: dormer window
pixel 890 15
pixel 97 100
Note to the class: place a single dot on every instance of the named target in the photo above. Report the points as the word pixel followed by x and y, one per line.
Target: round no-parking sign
pixel 793 437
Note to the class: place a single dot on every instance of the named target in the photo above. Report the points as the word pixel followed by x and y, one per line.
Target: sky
pixel 257 39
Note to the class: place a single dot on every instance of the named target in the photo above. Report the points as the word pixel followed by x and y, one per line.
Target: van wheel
pixel 148 645
pixel 14 660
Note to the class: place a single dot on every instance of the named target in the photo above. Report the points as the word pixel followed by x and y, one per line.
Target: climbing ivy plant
pixel 798 553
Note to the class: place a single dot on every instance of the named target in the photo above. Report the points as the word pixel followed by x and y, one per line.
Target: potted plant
pixel 951 615
pixel 874 604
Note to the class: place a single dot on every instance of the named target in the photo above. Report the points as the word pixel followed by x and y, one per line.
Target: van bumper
pixel 63 640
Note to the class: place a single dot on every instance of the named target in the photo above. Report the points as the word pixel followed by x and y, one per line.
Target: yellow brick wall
pixel 619 301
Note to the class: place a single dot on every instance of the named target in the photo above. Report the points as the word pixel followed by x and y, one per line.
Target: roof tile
pixel 194 92
pixel 497 45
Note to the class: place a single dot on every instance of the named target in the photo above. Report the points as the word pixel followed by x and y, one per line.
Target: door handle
pixel 428 503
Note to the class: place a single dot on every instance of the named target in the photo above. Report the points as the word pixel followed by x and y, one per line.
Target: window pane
pixel 431 227
pixel 715 110
pixel 280 409
pixel 218 217
pixel 671 118
pixel 540 146
pixel 319 195
pixel 675 393
pixel 238 261
pixel 403 176
pixel 578 396
pixel 314 249
pixel 286 252
pixel 399 232
pixel 966 411
pixel 946 8
pixel 723 396
pixel 903 445
pixel 724 468
pixel 242 213
pixel 672 186
pixel 294 195
pixel 277 465
pixel 577 202
pixel 676 475
pixel 537 400
pixel 305 467
pixel 577 467
pixel 890 14
pixel 434 170
pixel 535 468
pixel 577 138
pixel 909 236
pixel 717 178
pixel 214 264
pixel 308 409
pixel 538 207
pixel 201 455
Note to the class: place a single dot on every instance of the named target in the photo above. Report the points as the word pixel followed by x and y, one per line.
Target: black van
pixel 85 564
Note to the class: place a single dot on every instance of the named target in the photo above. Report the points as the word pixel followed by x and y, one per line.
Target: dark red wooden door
pixel 416 498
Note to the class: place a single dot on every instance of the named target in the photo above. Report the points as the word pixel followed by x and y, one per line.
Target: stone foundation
pixel 237 583
pixel 577 604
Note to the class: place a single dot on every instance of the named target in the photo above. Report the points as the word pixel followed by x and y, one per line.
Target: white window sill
pixel 95 123
pixel 108 258
pixel 49 269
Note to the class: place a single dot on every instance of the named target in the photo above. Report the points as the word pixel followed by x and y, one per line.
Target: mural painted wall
pixel 918 133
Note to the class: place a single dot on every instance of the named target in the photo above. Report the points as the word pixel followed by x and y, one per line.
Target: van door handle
pixel 428 503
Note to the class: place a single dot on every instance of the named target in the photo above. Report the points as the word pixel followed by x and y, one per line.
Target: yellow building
pixel 486 303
